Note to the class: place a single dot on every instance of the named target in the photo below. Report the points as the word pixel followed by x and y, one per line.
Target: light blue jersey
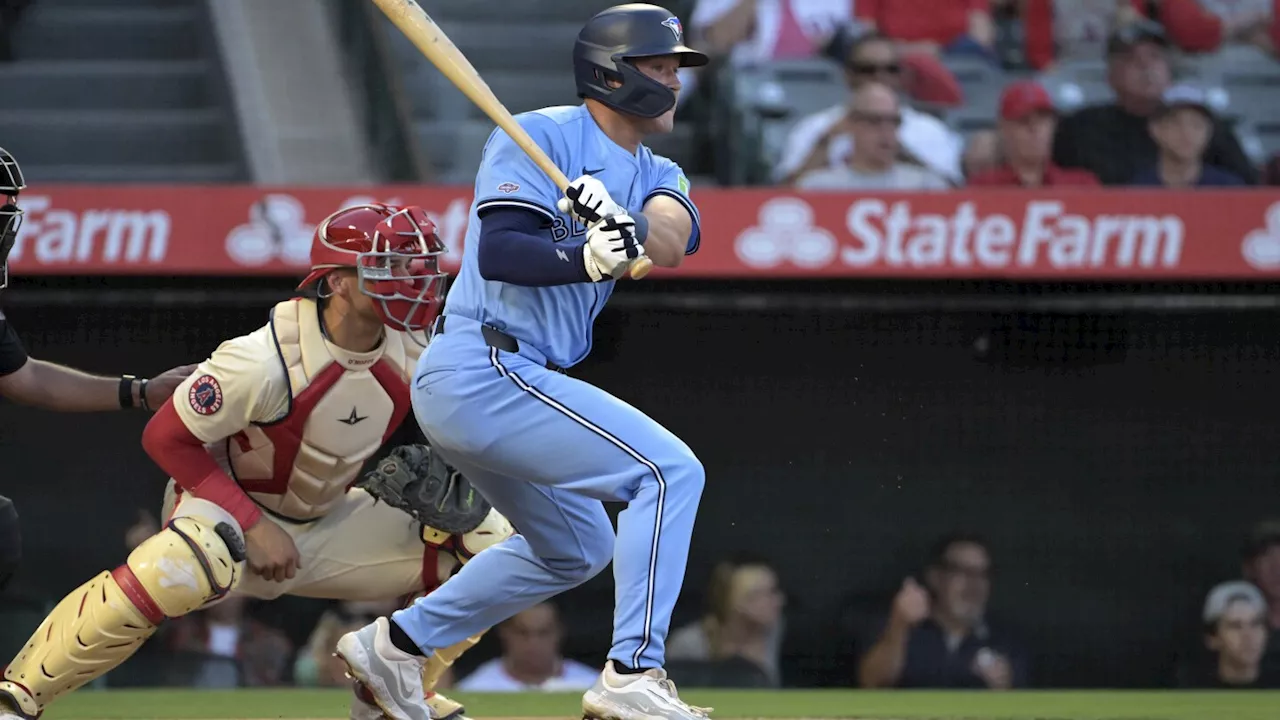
pixel 544 447
pixel 556 320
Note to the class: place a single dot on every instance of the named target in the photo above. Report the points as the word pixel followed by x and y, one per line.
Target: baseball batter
pixel 543 447
pixel 263 442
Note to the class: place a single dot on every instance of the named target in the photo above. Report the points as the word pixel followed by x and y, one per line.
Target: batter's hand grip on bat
pixel 431 41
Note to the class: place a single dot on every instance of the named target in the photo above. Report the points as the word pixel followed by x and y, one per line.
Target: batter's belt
pixel 495 338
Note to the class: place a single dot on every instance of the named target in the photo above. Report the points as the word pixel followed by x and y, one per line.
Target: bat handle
pixel 640 267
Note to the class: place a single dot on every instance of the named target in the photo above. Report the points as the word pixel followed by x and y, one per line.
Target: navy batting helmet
pixel 612 39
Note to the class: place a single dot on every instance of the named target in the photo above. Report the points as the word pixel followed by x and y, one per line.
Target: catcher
pixel 264 444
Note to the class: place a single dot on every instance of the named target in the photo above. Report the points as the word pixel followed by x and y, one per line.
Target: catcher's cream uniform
pixel 293 418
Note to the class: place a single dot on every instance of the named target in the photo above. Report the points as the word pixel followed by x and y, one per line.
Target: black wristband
pixel 126 391
pixel 142 394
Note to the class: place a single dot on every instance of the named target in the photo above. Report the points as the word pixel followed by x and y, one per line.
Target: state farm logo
pixel 1261 248
pixel 115 236
pixel 786 233
pixel 882 233
pixel 278 229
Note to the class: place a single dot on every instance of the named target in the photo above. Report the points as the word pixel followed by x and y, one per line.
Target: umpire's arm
pixel 670 226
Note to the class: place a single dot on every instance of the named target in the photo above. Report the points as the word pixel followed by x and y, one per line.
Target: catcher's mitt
pixel 419 482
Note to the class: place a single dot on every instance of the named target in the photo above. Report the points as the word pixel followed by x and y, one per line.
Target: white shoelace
pixel 669 685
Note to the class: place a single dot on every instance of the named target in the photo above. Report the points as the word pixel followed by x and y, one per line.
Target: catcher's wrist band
pixel 126 391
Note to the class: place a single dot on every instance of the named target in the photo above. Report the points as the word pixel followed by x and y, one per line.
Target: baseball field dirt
pixel 729 705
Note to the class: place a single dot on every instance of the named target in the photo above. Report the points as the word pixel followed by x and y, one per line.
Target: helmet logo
pixel 673 24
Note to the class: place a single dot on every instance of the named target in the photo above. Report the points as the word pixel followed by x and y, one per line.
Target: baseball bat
pixel 431 41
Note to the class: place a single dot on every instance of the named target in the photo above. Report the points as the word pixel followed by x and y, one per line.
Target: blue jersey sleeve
pixel 509 178
pixel 670 180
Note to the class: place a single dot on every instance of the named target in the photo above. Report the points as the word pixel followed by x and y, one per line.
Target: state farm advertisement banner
pixel 1104 234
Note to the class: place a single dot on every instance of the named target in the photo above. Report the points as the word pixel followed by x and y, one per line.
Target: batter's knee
pixel 686 476
pixel 196 559
pixel 591 555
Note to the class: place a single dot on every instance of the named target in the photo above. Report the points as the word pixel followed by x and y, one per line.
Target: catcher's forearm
pixel 181 454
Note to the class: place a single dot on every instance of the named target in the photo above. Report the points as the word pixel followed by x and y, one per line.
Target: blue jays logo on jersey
pixel 673 24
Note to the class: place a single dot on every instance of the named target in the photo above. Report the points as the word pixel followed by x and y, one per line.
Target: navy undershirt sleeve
pixel 516 247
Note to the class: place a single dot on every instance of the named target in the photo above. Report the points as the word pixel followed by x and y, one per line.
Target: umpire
pixel 45 385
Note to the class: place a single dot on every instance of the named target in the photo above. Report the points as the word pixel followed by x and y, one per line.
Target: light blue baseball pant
pixel 546 450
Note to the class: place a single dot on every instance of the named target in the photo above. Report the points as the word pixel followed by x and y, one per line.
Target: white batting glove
pixel 611 246
pixel 587 200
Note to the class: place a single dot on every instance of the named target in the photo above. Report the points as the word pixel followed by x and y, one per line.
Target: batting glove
pixel 610 247
pixel 587 199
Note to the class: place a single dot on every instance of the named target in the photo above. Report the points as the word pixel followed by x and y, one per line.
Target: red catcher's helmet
pixel 395 252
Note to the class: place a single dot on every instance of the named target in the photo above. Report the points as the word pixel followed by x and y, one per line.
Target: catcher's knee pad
pixel 494 529
pixel 198 557
pixel 10 541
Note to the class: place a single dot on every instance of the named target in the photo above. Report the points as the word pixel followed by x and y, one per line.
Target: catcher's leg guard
pixel 196 559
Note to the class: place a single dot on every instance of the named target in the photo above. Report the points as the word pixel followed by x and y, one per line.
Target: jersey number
pixel 562 230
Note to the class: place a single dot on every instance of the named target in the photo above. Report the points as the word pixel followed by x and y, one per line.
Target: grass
pixel 791 705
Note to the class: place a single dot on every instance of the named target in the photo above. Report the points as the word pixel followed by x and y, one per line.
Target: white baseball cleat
pixel 649 695
pixel 392 676
pixel 363 706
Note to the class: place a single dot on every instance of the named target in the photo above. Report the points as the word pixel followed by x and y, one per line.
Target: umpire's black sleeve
pixel 12 355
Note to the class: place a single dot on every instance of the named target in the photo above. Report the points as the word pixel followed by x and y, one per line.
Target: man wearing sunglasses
pixel 825 139
pixel 877 161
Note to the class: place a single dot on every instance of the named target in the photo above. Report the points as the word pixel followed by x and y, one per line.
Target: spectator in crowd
pixel 1181 129
pixel 938 27
pixel 982 153
pixel 1112 140
pixel 531 658
pixel 1065 30
pixel 937 636
pixel 1027 123
pixel 750 32
pixel 875 163
pixel 1235 633
pixel 1200 26
pixel 743 620
pixel 825 139
pixel 755 31
pixel 1261 566
pixel 238 651
pixel 316 665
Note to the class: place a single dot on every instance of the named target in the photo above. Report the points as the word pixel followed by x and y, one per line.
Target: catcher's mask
pixel 395 252
pixel 11 184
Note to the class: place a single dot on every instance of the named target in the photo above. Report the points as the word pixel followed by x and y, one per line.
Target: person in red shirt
pixel 953 27
pixel 1028 120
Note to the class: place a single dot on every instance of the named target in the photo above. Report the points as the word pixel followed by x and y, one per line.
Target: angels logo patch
pixel 205 395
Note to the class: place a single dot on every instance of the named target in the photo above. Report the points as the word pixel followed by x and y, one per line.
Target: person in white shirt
pixel 531 658
pixel 750 32
pixel 875 163
pixel 825 139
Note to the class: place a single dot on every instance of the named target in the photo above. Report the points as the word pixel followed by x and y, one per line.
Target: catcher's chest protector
pixel 340 413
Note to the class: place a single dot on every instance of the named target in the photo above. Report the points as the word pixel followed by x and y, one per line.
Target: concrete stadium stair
pixel 119 90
